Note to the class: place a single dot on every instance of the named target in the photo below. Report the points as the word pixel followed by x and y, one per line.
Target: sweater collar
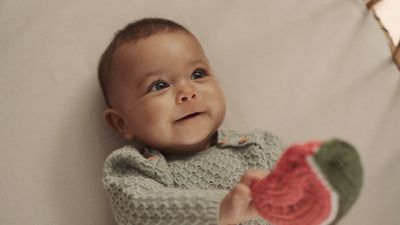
pixel 224 138
pixel 230 138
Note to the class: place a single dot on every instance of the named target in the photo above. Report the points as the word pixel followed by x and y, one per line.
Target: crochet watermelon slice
pixel 312 184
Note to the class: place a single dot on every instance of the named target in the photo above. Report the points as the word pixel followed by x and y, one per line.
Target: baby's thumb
pixel 252 176
pixel 241 193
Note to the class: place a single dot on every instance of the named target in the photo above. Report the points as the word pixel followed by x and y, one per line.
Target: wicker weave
pixel 393 48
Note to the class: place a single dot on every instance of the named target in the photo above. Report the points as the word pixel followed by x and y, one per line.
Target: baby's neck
pixel 182 150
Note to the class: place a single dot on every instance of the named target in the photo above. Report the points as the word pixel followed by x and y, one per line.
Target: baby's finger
pixel 242 202
pixel 241 193
pixel 251 176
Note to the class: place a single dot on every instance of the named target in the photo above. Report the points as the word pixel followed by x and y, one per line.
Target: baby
pixel 180 167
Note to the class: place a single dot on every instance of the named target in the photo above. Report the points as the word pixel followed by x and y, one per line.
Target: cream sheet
pixel 303 69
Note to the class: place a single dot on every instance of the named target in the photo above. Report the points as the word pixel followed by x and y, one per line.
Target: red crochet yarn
pixel 295 193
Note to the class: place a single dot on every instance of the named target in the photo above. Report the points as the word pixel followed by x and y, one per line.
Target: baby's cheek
pixel 216 98
pixel 218 92
pixel 157 110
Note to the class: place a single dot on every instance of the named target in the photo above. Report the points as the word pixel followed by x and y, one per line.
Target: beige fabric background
pixel 303 69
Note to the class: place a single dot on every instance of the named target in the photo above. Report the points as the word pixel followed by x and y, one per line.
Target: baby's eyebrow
pixel 152 73
pixel 147 76
pixel 198 61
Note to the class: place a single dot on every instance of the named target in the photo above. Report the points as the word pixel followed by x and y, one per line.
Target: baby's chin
pixel 180 149
pixel 188 146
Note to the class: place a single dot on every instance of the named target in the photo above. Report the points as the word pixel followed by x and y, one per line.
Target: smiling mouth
pixel 189 116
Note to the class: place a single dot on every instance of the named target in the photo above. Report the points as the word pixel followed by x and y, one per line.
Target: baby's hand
pixel 237 205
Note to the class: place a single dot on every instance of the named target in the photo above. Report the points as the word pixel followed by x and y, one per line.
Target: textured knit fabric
pixel 313 183
pixel 146 187
pixel 341 164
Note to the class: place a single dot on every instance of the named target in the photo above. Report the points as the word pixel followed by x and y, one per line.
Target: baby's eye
pixel 198 74
pixel 158 85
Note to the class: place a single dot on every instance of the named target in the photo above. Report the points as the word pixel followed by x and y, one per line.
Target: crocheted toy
pixel 312 184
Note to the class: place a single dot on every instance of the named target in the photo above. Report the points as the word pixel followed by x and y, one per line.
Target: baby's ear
pixel 116 121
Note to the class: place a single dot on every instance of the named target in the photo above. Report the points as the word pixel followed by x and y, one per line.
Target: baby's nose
pixel 186 94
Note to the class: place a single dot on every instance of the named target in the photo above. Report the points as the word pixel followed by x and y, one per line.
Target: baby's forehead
pixel 152 46
pixel 127 50
pixel 156 35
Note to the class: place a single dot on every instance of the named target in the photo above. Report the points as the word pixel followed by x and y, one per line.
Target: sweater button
pixel 152 158
pixel 243 139
pixel 222 142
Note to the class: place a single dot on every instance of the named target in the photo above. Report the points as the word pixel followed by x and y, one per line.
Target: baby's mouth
pixel 192 115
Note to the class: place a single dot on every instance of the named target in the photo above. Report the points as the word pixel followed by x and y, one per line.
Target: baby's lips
pixel 187 115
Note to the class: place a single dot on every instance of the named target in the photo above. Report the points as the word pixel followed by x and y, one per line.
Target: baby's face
pixel 166 93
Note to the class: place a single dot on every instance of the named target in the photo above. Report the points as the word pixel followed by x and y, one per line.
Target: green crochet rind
pixel 341 165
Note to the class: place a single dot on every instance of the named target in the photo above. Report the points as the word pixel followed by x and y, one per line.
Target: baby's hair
pixel 132 33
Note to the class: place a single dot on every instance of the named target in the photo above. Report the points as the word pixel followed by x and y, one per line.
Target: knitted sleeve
pixel 137 198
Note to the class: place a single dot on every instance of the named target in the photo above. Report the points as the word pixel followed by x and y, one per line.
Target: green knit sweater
pixel 146 187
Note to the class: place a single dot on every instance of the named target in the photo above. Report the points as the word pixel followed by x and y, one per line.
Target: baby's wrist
pixel 222 213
